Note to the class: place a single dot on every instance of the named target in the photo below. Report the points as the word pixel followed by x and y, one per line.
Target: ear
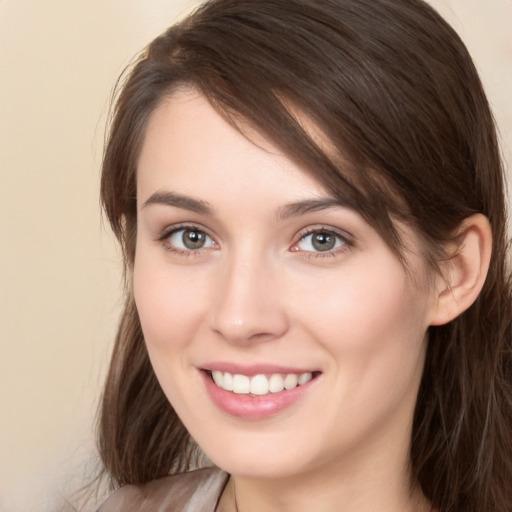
pixel 464 272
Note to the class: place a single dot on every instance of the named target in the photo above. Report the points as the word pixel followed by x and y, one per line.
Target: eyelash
pixel 345 239
pixel 346 242
pixel 167 234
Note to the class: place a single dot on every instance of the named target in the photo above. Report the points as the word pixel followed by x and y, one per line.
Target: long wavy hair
pixel 396 93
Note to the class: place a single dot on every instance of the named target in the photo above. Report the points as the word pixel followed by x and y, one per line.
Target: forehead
pixel 188 145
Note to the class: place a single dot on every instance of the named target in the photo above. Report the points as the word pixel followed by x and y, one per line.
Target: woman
pixel 309 197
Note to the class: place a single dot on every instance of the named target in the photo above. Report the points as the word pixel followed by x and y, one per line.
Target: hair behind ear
pixel 461 450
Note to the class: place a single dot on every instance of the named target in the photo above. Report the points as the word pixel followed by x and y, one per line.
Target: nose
pixel 247 305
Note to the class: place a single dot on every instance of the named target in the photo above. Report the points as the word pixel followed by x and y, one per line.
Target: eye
pixel 189 239
pixel 320 240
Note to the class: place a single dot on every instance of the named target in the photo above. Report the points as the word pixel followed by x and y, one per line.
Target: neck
pixel 244 496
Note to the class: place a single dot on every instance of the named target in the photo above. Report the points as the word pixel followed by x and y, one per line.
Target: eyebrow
pixel 179 201
pixel 294 209
pixel 312 205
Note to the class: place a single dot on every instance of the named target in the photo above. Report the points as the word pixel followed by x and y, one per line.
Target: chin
pixel 260 458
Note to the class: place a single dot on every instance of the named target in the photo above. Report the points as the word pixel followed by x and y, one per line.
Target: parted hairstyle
pixel 396 94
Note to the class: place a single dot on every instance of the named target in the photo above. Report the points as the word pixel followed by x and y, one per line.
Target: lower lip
pixel 253 407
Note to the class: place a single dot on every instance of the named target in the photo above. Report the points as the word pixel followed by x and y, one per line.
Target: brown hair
pixel 396 93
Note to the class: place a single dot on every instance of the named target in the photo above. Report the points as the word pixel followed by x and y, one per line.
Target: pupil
pixel 323 241
pixel 193 239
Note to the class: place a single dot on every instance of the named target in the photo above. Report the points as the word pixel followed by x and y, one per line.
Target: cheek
pixel 170 306
pixel 370 318
pixel 169 303
pixel 372 326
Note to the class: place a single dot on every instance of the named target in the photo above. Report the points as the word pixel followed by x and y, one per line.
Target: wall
pixel 59 270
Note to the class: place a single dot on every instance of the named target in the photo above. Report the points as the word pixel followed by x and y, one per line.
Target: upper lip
pixel 253 369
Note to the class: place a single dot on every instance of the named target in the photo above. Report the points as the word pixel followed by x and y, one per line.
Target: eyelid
pixel 345 236
pixel 167 232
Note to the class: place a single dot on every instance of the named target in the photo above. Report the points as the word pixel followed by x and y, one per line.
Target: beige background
pixel 59 270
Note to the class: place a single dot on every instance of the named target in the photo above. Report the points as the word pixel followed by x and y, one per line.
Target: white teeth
pixel 290 381
pixel 305 377
pixel 241 384
pixel 228 382
pixel 276 383
pixel 218 378
pixel 259 384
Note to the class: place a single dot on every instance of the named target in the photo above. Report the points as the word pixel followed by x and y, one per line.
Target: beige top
pixel 196 491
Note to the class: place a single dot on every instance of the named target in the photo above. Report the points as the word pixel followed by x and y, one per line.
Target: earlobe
pixel 464 273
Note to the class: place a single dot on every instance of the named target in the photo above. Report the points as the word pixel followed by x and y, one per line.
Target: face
pixel 281 327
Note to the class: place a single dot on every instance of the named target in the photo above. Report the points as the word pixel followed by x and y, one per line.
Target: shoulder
pixel 196 491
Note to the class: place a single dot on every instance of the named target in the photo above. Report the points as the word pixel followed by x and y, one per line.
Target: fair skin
pixel 228 276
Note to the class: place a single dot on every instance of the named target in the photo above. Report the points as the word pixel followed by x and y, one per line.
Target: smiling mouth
pixel 261 384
